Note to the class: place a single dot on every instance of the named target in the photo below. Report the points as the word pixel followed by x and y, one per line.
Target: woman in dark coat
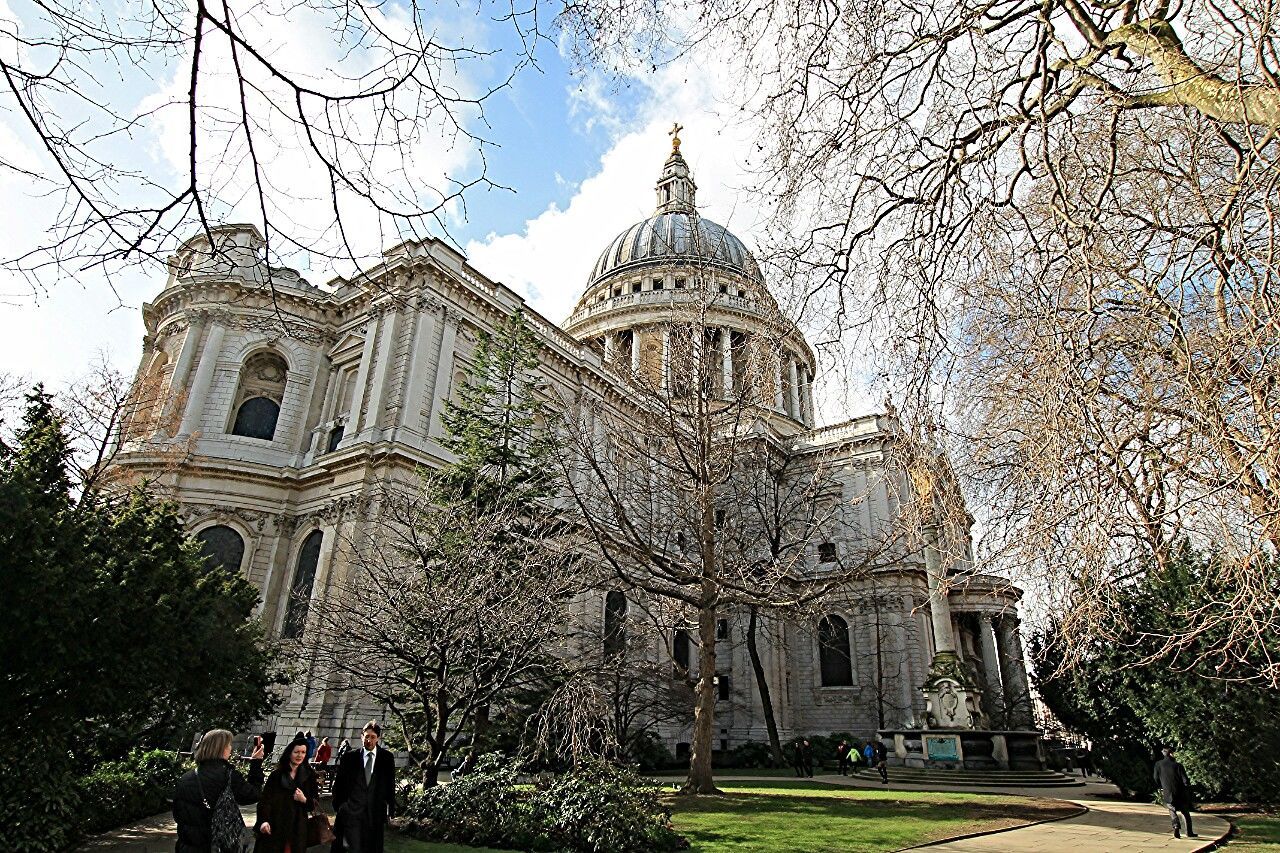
pixel 205 784
pixel 288 798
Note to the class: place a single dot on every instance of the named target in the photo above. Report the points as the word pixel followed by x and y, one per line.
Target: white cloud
pixel 549 260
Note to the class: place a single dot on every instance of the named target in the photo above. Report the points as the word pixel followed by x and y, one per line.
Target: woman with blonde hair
pixel 206 797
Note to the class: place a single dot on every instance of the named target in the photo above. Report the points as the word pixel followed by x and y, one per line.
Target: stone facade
pixel 346 383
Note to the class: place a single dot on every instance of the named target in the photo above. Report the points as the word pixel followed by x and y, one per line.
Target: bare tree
pixel 1053 226
pixel 333 141
pixel 458 608
pixel 654 477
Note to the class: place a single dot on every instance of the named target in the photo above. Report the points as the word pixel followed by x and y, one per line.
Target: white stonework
pixel 370 362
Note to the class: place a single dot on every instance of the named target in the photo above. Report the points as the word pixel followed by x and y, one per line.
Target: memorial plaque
pixel 942 747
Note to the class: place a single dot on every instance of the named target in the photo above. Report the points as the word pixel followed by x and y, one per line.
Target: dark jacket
pixel 189 797
pixel 374 804
pixel 1175 787
pixel 287 816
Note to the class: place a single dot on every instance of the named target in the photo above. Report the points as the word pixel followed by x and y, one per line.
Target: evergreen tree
pixel 497 429
pixel 113 632
pixel 1130 699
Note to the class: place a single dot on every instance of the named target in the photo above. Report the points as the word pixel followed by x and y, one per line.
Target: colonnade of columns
pixel 1007 689
pixel 792 379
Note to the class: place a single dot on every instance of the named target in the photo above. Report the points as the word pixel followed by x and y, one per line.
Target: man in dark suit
pixel 364 795
pixel 1175 790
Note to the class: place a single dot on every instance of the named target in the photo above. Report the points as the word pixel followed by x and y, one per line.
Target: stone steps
pixel 976 778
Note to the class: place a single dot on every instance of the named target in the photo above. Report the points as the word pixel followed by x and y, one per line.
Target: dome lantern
pixel 677 193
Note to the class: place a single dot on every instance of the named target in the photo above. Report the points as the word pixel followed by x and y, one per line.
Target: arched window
pixel 615 623
pixel 304 578
pixel 833 652
pixel 221 547
pixel 259 395
pixel 680 653
pixel 257 418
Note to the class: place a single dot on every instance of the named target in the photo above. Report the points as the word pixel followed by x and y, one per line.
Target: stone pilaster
pixel 192 415
pixel 1013 669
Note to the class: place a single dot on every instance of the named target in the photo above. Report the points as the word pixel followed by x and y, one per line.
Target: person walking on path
pixel 842 752
pixel 1175 790
pixel 311 746
pixel 323 752
pixel 343 747
pixel 879 759
pixel 806 757
pixel 364 795
pixel 797 757
pixel 289 796
pixel 199 793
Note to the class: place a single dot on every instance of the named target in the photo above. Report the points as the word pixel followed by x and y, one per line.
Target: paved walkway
pixel 1109 826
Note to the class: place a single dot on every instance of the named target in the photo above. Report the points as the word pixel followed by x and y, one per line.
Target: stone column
pixel 794 376
pixel 181 376
pixel 991 669
pixel 411 407
pixel 444 372
pixel 203 379
pixel 381 370
pixel 666 359
pixel 608 347
pixel 944 640
pixel 777 384
pixel 726 362
pixel 1017 694
pixel 362 377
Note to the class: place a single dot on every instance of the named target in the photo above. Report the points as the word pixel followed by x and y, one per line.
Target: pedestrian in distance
pixel 323 752
pixel 797 756
pixel 1175 790
pixel 842 752
pixel 869 754
pixel 288 798
pixel 206 800
pixel 881 756
pixel 364 795
pixel 312 744
pixel 806 757
pixel 343 747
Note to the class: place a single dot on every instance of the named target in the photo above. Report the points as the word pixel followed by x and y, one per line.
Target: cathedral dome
pixel 675 237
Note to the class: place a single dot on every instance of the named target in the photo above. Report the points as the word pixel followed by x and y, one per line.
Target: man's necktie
pixel 368 767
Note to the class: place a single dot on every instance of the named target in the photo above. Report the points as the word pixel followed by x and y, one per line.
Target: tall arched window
pixel 258 398
pixel 304 578
pixel 615 623
pixel 221 547
pixel 680 652
pixel 834 660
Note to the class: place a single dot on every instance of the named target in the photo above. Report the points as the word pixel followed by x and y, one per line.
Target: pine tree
pixel 497 428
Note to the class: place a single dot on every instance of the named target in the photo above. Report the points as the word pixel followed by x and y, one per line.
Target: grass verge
pixel 754 816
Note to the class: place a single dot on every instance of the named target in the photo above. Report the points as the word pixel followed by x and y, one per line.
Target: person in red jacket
pixel 324 752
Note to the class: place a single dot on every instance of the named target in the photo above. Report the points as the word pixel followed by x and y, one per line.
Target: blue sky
pixel 580 154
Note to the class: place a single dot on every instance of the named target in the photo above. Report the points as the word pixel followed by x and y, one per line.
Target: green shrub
pixel 648 752
pixel 753 753
pixel 484 808
pixel 593 808
pixel 600 808
pixel 120 792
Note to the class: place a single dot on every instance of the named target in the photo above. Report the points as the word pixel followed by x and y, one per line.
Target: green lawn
pixel 809 817
pixel 1255 833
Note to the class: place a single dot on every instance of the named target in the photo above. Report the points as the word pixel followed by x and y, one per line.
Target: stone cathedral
pixel 290 400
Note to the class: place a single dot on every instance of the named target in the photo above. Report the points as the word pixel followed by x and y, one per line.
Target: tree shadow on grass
pixel 759 822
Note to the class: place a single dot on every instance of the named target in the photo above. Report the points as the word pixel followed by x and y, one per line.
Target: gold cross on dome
pixel 674 133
